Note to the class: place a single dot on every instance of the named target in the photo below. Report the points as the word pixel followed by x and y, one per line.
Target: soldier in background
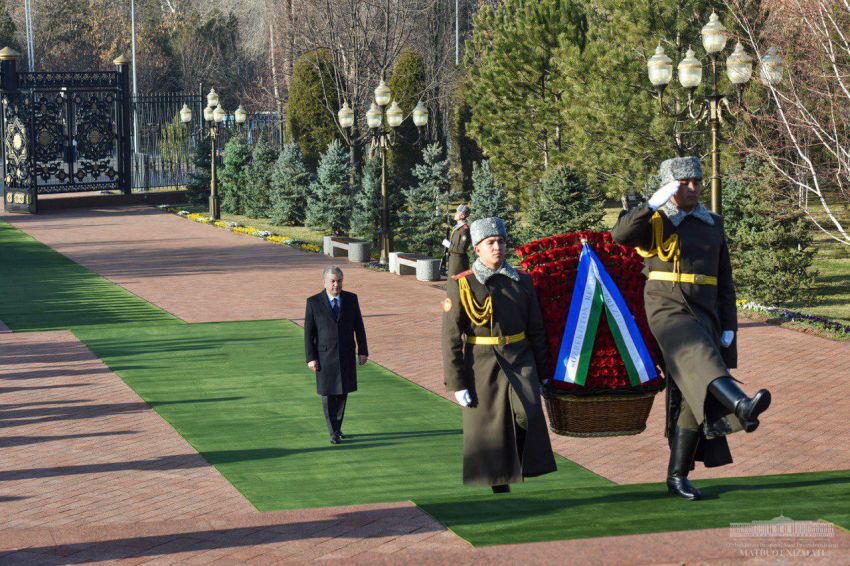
pixel 457 244
pixel 494 358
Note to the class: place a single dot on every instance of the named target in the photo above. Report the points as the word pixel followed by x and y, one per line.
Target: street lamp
pixel 215 116
pixel 712 105
pixel 384 136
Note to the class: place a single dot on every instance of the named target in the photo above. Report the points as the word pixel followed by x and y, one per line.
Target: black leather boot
pixel 682 450
pixel 502 488
pixel 732 398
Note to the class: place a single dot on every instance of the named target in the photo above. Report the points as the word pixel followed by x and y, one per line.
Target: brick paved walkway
pixel 90 473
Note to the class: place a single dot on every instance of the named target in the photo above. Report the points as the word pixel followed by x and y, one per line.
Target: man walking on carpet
pixel 494 353
pixel 332 323
pixel 690 306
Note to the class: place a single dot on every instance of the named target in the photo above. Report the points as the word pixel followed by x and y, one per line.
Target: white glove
pixel 464 399
pixel 726 338
pixel 663 194
pixel 446 243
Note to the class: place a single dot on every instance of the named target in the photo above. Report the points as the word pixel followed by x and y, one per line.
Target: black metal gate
pixel 63 132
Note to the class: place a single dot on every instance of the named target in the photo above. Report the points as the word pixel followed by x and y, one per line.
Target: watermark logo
pixel 782 537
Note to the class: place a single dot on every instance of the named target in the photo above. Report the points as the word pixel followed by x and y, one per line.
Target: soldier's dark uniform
pixel 459 249
pixel 500 362
pixel 690 301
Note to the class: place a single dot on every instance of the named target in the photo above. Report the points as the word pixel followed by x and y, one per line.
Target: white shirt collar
pixel 331 298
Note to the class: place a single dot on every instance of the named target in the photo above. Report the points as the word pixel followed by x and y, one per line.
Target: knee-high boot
pixel 732 398
pixel 682 450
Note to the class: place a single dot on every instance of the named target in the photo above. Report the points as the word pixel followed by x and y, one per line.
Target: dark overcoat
pixel 498 377
pixel 459 249
pixel 687 318
pixel 332 342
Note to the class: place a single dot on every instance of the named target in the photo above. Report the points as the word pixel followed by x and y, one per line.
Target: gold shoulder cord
pixel 479 315
pixel 668 250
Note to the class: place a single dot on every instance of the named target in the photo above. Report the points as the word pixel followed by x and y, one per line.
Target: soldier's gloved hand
pixel 446 243
pixel 663 194
pixel 726 338
pixel 464 399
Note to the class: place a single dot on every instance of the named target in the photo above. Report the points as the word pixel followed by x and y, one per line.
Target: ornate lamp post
pixel 712 105
pixel 214 115
pixel 382 125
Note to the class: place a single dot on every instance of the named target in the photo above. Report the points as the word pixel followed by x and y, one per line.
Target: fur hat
pixel 487 227
pixel 680 168
pixel 463 209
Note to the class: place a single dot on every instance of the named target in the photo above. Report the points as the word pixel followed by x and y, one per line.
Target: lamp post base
pixel 215 212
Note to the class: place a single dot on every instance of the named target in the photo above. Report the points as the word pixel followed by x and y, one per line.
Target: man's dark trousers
pixel 334 406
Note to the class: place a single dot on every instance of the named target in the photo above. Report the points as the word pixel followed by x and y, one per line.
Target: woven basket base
pixel 599 415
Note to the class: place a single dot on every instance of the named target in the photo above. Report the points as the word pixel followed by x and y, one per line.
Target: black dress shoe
pixel 504 488
pixel 340 435
pixel 334 439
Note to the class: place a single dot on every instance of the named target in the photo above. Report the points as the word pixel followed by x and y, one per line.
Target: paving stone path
pixel 89 472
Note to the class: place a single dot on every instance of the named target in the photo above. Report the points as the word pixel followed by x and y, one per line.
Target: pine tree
pixel 289 184
pixel 198 187
pixel 422 219
pixel 366 216
pixel 258 189
pixel 232 177
pixel 514 90
pixel 491 199
pixel 309 123
pixel 407 84
pixel 617 136
pixel 330 200
pixel 563 203
pixel 769 242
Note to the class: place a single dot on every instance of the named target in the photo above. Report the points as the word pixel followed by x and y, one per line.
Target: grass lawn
pixel 241 394
pixel 42 289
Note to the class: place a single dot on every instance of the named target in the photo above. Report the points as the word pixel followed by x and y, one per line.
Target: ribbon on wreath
pixel 595 290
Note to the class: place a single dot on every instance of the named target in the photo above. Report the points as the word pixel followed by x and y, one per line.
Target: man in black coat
pixel 331 324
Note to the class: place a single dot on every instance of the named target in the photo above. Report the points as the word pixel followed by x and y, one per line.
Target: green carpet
pixel 612 510
pixel 40 289
pixel 242 396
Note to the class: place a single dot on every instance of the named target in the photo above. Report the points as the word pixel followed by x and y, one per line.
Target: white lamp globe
pixel 346 116
pixel 420 115
pixel 373 116
pixel 382 94
pixel 739 66
pixel 690 70
pixel 394 115
pixel 660 68
pixel 714 35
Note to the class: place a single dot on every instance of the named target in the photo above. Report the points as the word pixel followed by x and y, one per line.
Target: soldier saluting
pixel 457 244
pixel 690 306
pixel 495 371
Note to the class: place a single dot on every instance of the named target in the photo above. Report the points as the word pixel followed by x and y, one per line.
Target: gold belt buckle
pixel 503 341
pixel 699 278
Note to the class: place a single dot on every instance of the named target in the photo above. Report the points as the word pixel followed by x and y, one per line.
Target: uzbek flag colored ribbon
pixel 595 290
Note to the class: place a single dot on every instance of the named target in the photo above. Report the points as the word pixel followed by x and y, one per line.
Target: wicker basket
pixel 598 415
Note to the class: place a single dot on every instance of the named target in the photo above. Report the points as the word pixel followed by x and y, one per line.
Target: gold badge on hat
pixel 447 305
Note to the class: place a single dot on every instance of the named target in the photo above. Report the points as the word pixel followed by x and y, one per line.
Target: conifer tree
pixel 407 84
pixel 198 187
pixel 289 185
pixel 770 244
pixel 233 174
pixel 563 203
pixel 330 200
pixel 514 89
pixel 366 216
pixel 423 217
pixel 258 180
pixel 309 123
pixel 491 199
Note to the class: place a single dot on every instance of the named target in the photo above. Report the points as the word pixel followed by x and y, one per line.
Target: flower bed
pixel 247 230
pixel 552 263
pixel 818 323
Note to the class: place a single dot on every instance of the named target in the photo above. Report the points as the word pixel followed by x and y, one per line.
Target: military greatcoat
pixel 459 248
pixel 687 318
pixel 503 380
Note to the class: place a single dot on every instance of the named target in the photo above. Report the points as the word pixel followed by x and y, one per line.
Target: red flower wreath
pixel 552 263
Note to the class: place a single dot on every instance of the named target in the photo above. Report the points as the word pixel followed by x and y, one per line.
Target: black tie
pixel 335 307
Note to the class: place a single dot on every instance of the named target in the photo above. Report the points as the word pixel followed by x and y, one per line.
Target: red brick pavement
pixel 89 472
pixel 201 273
